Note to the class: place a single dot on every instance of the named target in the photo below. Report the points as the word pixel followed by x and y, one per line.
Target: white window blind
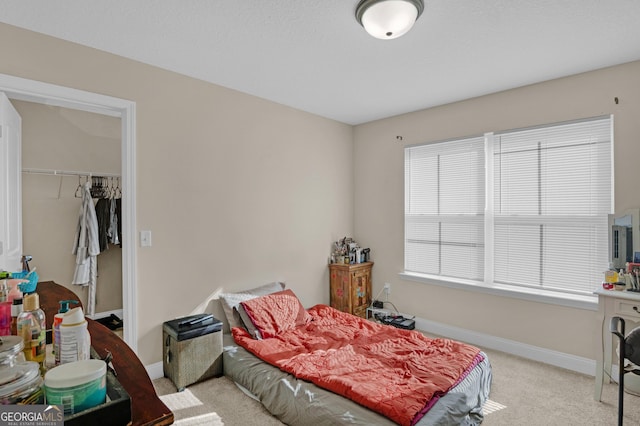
pixel 444 208
pixel 545 220
pixel 552 197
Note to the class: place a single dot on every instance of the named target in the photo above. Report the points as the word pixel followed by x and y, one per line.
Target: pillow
pixel 276 312
pixel 231 300
pixel 248 324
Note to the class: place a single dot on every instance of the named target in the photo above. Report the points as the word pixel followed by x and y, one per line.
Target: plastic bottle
pixel 75 341
pixel 57 320
pixel 5 318
pixel 5 309
pixel 16 308
pixel 32 329
pixel 4 291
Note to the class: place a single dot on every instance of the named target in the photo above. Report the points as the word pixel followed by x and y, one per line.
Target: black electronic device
pixel 192 326
pixel 196 321
pixel 407 324
pixel 399 321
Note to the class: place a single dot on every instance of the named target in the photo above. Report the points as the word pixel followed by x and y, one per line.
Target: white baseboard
pixel 547 356
pixel 155 371
pixel 535 353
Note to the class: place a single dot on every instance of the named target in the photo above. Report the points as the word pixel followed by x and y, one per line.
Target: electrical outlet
pixel 387 288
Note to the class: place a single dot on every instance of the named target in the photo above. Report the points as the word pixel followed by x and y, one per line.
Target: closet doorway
pixel 62 149
pixel 57 96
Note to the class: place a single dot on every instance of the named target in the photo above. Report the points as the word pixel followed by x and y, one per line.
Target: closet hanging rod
pixel 66 173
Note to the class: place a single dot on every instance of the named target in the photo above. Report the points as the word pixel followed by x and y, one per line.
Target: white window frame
pixel 488 286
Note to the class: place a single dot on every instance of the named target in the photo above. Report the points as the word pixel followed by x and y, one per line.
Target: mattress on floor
pixel 297 402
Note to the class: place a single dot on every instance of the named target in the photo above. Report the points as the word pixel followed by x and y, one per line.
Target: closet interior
pixel 62 150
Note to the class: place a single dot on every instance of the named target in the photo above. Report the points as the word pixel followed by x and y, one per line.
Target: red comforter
pixel 391 371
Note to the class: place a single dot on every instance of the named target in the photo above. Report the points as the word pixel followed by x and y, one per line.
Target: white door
pixel 10 186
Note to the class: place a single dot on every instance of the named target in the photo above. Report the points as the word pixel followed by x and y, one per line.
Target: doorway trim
pixel 50 94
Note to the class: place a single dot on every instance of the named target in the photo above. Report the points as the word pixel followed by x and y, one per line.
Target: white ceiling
pixel 314 56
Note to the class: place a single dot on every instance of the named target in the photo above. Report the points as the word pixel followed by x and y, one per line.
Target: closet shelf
pixel 67 173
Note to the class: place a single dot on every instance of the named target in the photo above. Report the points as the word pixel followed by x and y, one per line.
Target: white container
pixel 75 341
pixel 77 386
pixel 57 320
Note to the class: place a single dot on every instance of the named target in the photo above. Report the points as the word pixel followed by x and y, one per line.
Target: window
pixel 525 208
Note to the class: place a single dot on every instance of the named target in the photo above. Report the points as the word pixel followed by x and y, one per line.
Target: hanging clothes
pixel 119 216
pixel 103 214
pixel 112 232
pixel 86 247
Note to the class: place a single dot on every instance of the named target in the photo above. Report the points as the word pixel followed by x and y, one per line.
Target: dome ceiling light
pixel 388 19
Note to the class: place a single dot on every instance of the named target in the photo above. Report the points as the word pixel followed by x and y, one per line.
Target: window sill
pixel 542 296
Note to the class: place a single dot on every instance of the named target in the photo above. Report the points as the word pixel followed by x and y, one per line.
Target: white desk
pixel 612 303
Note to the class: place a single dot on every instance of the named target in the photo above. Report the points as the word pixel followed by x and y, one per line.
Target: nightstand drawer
pixel 627 308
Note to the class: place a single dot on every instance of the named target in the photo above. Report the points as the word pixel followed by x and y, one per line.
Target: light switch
pixel 145 238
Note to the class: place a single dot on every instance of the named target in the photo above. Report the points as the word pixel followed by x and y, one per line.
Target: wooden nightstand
pixel 350 287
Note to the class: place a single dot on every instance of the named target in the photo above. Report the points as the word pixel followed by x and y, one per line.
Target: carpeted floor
pixel 220 396
pixel 523 393
pixel 188 402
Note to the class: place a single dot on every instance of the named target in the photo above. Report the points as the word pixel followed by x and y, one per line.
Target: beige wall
pixel 56 138
pixel 379 195
pixel 237 191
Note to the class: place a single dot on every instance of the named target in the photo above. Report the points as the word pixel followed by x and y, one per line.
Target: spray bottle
pixel 75 341
pixel 57 320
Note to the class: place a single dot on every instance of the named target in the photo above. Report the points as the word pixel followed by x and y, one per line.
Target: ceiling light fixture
pixel 387 19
